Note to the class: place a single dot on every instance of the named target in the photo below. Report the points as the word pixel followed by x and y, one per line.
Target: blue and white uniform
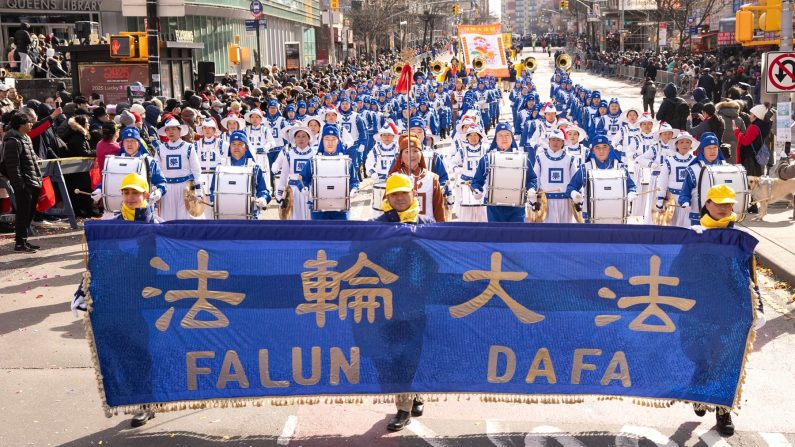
pixel 672 179
pixel 262 193
pixel 554 171
pixel 180 163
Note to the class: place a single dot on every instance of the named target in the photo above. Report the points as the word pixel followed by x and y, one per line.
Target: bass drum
pixel 379 189
pixel 606 195
pixel 733 176
pixel 507 179
pixel 114 171
pixel 331 183
pixel 234 192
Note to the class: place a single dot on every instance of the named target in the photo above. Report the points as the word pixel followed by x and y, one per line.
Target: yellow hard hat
pixel 721 194
pixel 398 183
pixel 135 181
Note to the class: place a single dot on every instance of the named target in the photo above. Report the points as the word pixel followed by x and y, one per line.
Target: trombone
pixel 530 64
pixel 479 64
pixel 564 62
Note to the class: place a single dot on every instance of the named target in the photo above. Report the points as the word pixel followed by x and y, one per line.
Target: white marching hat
pixel 686 136
pixel 172 122
pixel 575 128
pixel 556 134
pixel 241 123
pixel 664 127
pixel 388 128
pixel 307 119
pixel 254 111
pixel 208 122
pixel 291 131
pixel 631 109
pixel 330 109
pixel 645 118
pixel 474 128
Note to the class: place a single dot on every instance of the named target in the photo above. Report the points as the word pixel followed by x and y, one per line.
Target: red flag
pixel 405 80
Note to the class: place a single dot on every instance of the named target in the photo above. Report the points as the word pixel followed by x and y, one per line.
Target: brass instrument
pixel 530 64
pixel 479 64
pixel 437 68
pixel 397 69
pixel 564 62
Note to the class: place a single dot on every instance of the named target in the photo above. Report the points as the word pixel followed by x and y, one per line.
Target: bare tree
pixel 375 20
pixel 679 11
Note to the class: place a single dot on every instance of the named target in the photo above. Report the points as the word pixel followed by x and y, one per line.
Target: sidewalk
pixel 776 234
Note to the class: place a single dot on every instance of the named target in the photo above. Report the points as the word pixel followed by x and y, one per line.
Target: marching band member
pixel 672 176
pixel 708 154
pixel 602 156
pixel 665 135
pixel 437 166
pixel 537 134
pixel 628 134
pixel 380 159
pixel 181 165
pixel 465 162
pixel 212 151
pixel 275 123
pixel 648 165
pixel 554 168
pixel 231 123
pixel 240 155
pixel 288 167
pixel 574 147
pixel 426 184
pixel 647 147
pixel 610 122
pixel 260 138
pixel 132 145
pixel 315 126
pixel 503 141
pixel 331 145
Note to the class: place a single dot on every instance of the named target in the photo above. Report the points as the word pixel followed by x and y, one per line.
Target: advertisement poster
pixel 292 56
pixel 110 81
pixel 484 41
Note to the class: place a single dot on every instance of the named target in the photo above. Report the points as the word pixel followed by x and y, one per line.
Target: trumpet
pixel 530 64
pixel 397 69
pixel 437 68
pixel 564 62
pixel 479 64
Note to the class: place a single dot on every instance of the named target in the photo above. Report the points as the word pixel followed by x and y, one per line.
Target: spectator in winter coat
pixel 710 122
pixel 730 112
pixel 707 82
pixel 673 110
pixel 649 93
pixel 700 98
pixel 750 141
pixel 22 169
pixel 77 145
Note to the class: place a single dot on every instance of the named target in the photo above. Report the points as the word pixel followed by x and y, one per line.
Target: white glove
pixel 155 195
pixel 532 195
pixel 576 196
pixel 631 197
pixel 659 203
pixel 354 191
pixel 261 203
pixel 78 302
pixel 477 194
pixel 686 205
pixel 96 195
pixel 450 200
pixel 361 149
pixel 759 321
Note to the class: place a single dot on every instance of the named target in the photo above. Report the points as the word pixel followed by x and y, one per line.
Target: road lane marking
pixel 288 430
pixel 775 439
pixel 643 432
pixel 494 429
pixel 564 439
pixel 425 433
pixel 711 438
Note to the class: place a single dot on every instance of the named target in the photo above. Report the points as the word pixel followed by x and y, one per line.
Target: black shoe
pixel 417 408
pixel 23 248
pixel 34 247
pixel 753 209
pixel 725 425
pixel 700 412
pixel 141 418
pixel 399 421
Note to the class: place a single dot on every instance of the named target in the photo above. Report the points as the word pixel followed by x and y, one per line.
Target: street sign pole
pixel 784 99
pixel 153 42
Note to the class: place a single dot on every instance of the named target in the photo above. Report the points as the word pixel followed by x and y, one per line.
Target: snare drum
pixel 331 183
pixel 234 192
pixel 733 176
pixel 114 171
pixel 379 189
pixel 606 195
pixel 507 178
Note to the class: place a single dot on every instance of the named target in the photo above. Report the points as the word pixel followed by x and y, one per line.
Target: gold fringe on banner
pixel 382 398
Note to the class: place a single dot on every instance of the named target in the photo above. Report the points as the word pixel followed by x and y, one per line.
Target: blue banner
pixel 213 311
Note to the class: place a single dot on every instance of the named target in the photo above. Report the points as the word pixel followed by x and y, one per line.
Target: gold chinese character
pixel 323 285
pixel 653 299
pixel 494 288
pixel 202 295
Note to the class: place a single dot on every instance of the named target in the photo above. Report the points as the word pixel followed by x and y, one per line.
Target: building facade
pixel 213 23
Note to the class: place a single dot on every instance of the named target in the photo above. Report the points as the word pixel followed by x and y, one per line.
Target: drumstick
pixel 77 191
pixel 647 192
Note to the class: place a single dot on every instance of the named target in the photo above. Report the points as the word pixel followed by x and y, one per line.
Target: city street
pixel 49 397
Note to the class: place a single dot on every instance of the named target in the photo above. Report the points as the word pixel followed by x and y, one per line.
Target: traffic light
pixel 456 9
pixel 560 5
pixel 770 20
pixel 564 5
pixel 744 26
pixel 129 46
